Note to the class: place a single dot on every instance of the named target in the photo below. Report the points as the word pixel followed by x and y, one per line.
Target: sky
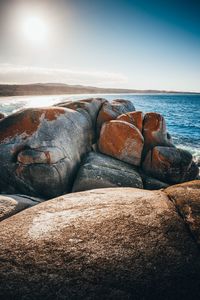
pixel 138 44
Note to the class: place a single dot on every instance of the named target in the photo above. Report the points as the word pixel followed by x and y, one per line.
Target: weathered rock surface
pixel 121 140
pixel 155 132
pixel 12 204
pixel 120 243
pixel 170 165
pixel 111 110
pixel 91 106
pixel 40 150
pixel 186 197
pixel 136 118
pixel 102 171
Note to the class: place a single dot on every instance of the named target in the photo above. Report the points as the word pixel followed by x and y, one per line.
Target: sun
pixel 34 29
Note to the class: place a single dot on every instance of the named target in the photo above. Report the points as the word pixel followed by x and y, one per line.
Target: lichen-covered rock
pixel 155 132
pixel 40 150
pixel 102 171
pixel 119 243
pixel 111 110
pixel 12 204
pixel 121 140
pixel 170 165
pixel 136 118
pixel 186 197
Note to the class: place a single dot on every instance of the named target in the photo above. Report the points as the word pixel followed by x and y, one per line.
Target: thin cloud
pixel 13 74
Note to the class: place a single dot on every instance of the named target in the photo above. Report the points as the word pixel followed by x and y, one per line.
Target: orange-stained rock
pixel 155 132
pixel 136 118
pixel 170 165
pixel 121 140
pixel 2 116
pixel 111 110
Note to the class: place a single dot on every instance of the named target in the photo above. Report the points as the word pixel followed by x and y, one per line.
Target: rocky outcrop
pixel 102 171
pixel 186 197
pixel 120 243
pixel 136 118
pixel 121 140
pixel 155 132
pixel 12 204
pixel 170 165
pixel 40 150
pixel 111 110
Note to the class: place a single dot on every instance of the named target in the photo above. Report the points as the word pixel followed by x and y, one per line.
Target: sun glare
pixel 34 29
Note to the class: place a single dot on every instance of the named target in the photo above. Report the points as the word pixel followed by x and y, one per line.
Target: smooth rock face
pixel 121 140
pixel 102 171
pixel 170 165
pixel 186 197
pixel 40 150
pixel 12 204
pixel 120 243
pixel 155 132
pixel 136 118
pixel 111 110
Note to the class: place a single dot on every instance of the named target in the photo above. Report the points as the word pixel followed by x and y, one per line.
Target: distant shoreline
pixel 48 89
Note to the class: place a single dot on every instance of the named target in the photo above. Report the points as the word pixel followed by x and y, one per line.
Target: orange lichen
pixel 26 122
pixel 135 118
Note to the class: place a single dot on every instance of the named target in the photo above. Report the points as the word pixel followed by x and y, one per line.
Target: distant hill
pixel 59 89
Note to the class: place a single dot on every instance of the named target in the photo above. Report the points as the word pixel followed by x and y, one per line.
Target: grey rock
pixel 12 204
pixel 40 150
pixel 101 171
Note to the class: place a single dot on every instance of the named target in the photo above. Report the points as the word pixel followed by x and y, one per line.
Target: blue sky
pixel 142 44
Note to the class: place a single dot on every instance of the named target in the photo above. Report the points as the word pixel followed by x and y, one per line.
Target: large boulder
pixel 12 204
pixel 186 197
pixel 102 171
pixel 40 150
pixel 121 140
pixel 111 110
pixel 155 132
pixel 136 118
pixel 170 165
pixel 119 243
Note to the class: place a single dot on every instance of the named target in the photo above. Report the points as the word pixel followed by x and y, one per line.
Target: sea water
pixel 181 112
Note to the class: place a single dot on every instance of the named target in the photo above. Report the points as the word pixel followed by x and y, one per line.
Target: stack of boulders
pixel 116 241
pixel 86 144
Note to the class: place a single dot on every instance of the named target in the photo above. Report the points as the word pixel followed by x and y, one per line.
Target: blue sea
pixel 181 111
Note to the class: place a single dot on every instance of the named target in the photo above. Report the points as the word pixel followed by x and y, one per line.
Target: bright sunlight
pixel 35 29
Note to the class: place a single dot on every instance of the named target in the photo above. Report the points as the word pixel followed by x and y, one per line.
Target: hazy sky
pixel 142 44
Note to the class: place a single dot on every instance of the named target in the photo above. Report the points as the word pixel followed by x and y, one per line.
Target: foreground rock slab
pixel 186 197
pixel 12 204
pixel 121 140
pixel 102 171
pixel 119 243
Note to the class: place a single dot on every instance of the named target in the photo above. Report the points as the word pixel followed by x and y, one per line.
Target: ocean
pixel 181 112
